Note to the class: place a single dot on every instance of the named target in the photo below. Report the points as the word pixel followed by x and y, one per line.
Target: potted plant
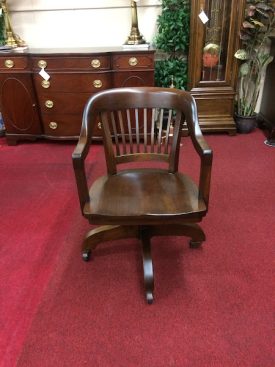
pixel 258 24
pixel 172 41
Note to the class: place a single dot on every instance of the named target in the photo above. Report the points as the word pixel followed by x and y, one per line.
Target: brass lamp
pixel 12 39
pixel 135 37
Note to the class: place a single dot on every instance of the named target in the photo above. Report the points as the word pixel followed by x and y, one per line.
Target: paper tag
pixel 44 74
pixel 0 11
pixel 203 17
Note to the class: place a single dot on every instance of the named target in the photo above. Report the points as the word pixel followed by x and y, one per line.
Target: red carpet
pixel 213 306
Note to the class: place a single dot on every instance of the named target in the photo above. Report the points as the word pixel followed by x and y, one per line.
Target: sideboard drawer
pixel 13 63
pixel 74 82
pixel 65 125
pixel 67 103
pixel 91 63
pixel 137 61
pixel 62 124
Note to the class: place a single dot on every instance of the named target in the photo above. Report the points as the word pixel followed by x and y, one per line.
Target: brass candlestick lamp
pixel 12 39
pixel 135 37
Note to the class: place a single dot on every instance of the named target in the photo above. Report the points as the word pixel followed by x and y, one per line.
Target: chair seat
pixel 159 196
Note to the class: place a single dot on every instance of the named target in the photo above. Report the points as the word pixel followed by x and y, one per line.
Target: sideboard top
pixel 75 50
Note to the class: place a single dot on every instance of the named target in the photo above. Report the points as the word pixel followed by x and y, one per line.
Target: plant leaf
pixel 264 7
pixel 245 36
pixel 266 60
pixel 244 69
pixel 251 10
pixel 241 54
pixel 247 24
pixel 263 13
pixel 257 22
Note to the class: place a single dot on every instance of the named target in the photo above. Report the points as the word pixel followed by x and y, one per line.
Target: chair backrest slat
pixel 145 129
pixel 115 133
pixel 160 124
pixel 130 131
pixel 153 130
pixel 168 131
pixel 137 132
pixel 121 125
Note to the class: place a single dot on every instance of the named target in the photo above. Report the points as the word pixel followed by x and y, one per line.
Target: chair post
pixel 148 273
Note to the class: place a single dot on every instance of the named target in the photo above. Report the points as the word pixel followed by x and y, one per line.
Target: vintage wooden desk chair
pixel 142 202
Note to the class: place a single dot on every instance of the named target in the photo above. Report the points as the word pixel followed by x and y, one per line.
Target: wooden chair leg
pixel 106 233
pixel 147 266
pixel 191 230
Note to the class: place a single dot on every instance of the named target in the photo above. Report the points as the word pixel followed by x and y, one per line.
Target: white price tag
pixel 203 17
pixel 44 74
pixel 0 11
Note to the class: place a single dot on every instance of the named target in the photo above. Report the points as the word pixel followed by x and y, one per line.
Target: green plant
pixel 173 40
pixel 2 28
pixel 171 72
pixel 258 24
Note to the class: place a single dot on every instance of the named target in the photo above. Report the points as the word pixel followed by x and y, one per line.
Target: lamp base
pixel 135 39
pixel 10 41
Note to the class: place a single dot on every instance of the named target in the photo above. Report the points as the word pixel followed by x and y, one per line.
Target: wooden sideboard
pixel 33 107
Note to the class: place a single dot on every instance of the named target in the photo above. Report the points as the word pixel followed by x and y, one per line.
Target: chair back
pixel 140 124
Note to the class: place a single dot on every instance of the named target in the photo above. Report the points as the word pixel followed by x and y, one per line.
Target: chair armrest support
pixel 205 176
pixel 203 150
pixel 206 156
pixel 78 158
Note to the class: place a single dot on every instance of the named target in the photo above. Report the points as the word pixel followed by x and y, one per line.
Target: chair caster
pixel 195 244
pixel 86 255
pixel 149 298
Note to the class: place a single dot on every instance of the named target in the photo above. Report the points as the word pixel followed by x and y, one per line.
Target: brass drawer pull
pixel 53 125
pixel 45 84
pixel 97 83
pixel 95 63
pixel 133 61
pixel 99 125
pixel 9 64
pixel 42 64
pixel 49 103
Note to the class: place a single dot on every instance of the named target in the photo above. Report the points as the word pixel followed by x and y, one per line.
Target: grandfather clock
pixel 214 30
pixel 267 111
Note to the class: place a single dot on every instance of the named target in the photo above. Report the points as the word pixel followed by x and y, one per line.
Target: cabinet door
pixel 133 79
pixel 212 66
pixel 18 105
